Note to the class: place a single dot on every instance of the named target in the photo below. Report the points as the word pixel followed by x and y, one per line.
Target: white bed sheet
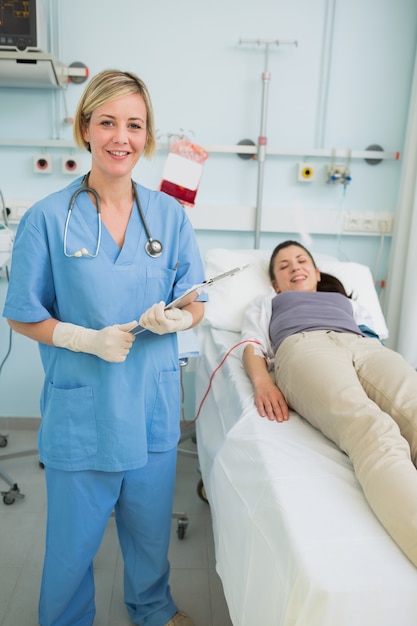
pixel 296 542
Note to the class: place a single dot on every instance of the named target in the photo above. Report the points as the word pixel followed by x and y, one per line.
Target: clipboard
pixel 191 294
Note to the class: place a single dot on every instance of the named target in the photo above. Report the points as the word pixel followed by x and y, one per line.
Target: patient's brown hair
pixel 327 282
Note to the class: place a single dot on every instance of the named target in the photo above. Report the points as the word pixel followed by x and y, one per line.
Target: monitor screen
pixel 18 28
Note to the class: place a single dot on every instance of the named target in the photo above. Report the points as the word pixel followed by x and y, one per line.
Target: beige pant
pixel 363 397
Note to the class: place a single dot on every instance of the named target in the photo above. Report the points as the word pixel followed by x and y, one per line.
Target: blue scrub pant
pixel 79 506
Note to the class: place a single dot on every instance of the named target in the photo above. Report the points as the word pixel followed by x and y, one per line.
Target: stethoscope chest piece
pixel 153 247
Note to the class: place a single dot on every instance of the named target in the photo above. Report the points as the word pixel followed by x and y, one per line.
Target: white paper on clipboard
pixel 191 294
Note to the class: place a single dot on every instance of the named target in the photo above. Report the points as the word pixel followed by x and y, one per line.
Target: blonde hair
pixel 109 85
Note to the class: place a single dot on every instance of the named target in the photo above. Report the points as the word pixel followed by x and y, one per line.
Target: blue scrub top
pixel 95 414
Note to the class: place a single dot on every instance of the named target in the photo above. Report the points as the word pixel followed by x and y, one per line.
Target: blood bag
pixel 182 171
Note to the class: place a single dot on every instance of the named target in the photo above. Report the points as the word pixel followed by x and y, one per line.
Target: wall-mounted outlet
pixel 352 222
pixel 368 222
pixel 70 165
pixel 385 223
pixel 306 172
pixel 17 209
pixel 42 164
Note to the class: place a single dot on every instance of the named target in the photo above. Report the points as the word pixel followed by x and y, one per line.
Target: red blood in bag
pixel 185 196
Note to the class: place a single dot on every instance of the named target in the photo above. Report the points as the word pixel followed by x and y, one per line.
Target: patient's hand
pixel 269 401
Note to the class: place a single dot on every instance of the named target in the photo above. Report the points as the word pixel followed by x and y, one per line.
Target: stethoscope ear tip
pixel 82 252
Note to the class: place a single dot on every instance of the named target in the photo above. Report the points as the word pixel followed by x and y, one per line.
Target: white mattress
pixel 296 542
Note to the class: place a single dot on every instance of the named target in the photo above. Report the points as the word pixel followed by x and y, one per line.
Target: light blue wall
pixel 345 86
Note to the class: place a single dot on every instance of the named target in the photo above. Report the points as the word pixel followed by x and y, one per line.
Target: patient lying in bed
pixel 358 393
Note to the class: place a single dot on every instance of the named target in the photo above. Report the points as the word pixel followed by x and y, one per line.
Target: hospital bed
pixel 296 543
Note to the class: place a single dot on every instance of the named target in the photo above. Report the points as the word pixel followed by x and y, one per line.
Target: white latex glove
pixel 111 343
pixel 159 320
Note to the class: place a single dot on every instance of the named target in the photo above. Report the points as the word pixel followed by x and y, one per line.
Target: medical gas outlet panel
pixel 66 164
pixel 334 174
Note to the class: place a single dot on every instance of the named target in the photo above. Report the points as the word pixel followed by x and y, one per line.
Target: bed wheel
pixel 8 499
pixel 201 491
pixel 182 527
pixel 182 524
pixel 13 494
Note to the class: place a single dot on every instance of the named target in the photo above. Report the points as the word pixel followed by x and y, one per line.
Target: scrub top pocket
pixel 68 429
pixel 158 286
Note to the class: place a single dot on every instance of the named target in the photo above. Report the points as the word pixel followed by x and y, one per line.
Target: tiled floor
pixel 194 582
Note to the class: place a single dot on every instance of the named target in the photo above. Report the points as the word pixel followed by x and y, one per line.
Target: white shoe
pixel 180 619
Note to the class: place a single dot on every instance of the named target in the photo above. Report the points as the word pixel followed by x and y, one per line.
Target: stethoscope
pixel 153 247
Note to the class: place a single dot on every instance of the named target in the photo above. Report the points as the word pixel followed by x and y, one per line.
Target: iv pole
pixel 262 140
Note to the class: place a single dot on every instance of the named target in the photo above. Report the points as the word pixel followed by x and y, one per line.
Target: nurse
pixel 80 279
